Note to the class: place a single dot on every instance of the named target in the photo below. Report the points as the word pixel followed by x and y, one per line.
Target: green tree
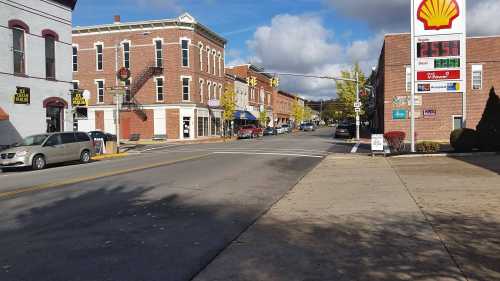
pixel 263 119
pixel 346 91
pixel 228 104
pixel 307 114
pixel 297 112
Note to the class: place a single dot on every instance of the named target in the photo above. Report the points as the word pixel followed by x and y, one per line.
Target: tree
pixel 489 127
pixel 228 104
pixel 307 114
pixel 346 91
pixel 297 112
pixel 263 119
pixel 333 112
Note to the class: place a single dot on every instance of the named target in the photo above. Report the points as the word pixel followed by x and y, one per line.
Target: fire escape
pixel 138 82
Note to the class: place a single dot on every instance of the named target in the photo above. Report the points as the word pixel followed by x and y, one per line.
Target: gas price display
pixel 438 49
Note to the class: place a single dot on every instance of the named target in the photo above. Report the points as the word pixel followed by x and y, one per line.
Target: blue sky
pixel 305 36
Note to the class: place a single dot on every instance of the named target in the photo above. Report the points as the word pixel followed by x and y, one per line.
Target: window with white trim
pixel 126 54
pixel 215 91
pixel 457 122
pixel 75 58
pixel 100 91
pixel 220 91
pixel 128 92
pixel 99 56
pixel 18 49
pixel 159 81
pixel 50 57
pixel 76 85
pixel 185 52
pixel 159 52
pixel 201 91
pixel 209 88
pixel 200 46
pixel 408 79
pixel 220 65
pixel 186 96
pixel 208 59
pixel 477 77
pixel 214 54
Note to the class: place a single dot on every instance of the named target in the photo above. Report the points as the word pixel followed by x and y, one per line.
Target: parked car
pixel 279 130
pixel 345 131
pixel 269 131
pixel 38 151
pixel 102 135
pixel 308 127
pixel 286 128
pixel 250 132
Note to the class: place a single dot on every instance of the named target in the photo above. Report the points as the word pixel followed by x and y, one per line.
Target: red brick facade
pixel 391 83
pixel 282 105
pixel 263 84
pixel 142 36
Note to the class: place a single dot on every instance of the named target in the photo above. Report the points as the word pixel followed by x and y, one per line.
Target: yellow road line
pixel 64 183
pixel 109 156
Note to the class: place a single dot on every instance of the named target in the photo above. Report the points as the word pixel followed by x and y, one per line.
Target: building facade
pixel 260 91
pixel 283 107
pixel 437 114
pixel 35 68
pixel 177 77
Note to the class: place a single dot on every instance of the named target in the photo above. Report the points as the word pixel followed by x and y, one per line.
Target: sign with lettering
pixel 22 95
pixel 399 114
pixel 429 113
pixel 377 142
pixel 77 98
pixel 438 87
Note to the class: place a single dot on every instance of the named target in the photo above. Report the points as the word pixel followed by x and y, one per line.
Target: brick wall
pixel 396 56
pixel 131 123
pixel 173 124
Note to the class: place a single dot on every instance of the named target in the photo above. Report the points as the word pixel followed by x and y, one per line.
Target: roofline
pixel 468 37
pixel 288 94
pixel 162 23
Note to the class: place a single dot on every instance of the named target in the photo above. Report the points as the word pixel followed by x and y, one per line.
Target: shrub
pixel 428 146
pixel 488 128
pixel 464 140
pixel 395 139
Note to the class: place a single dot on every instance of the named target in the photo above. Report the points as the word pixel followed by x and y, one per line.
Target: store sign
pixel 439 45
pixel 213 103
pixel 377 142
pixel 399 114
pixel 429 113
pixel 78 99
pixel 22 96
pixel 123 74
pixel 400 100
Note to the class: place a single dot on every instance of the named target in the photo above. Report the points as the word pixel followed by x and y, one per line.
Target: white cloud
pixel 482 18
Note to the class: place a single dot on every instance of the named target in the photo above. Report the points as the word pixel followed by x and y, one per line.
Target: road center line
pixel 267 153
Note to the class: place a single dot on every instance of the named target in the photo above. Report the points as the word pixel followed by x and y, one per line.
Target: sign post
pixel 438 51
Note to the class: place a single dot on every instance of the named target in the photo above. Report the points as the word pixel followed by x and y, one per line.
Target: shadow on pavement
pixel 399 248
pixel 491 163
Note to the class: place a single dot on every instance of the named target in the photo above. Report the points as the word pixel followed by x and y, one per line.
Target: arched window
pixel 50 53
pixel 19 28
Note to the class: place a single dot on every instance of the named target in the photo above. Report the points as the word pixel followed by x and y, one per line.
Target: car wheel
pixel 85 157
pixel 39 162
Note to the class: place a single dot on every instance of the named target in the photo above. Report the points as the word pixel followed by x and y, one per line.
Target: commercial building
pixel 437 114
pixel 283 105
pixel 241 90
pixel 35 68
pixel 260 89
pixel 177 77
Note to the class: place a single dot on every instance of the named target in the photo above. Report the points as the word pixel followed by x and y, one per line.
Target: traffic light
pixel 274 82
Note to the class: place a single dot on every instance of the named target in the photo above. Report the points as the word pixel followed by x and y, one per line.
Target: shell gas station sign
pixel 439 46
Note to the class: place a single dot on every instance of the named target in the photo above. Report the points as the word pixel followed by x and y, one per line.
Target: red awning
pixel 3 115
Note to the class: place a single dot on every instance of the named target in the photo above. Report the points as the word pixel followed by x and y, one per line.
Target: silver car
pixel 40 150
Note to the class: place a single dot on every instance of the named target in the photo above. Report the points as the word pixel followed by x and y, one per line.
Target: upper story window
pixel 200 46
pixel 220 91
pixel 159 53
pixel 185 52
pixel 50 57
pixel 75 58
pixel 159 89
pixel 100 91
pixel 76 85
pixel 408 79
pixel 209 88
pixel 201 91
pixel 261 96
pixel 126 54
pixel 128 92
pixel 18 49
pixel 208 59
pixel 477 77
pixel 99 56
pixel 185 89
pixel 220 65
pixel 215 61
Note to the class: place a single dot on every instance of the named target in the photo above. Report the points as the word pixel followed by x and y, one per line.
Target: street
pixel 163 214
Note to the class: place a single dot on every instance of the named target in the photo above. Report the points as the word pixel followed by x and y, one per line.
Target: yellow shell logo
pixel 438 14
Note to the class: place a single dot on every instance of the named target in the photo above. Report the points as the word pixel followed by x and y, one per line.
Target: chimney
pixel 117 19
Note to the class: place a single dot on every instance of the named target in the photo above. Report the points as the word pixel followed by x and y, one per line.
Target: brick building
pixel 177 71
pixel 260 92
pixel 436 114
pixel 282 107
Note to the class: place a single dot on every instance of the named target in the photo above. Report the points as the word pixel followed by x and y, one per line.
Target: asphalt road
pixel 162 214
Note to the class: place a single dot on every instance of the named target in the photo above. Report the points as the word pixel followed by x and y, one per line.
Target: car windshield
pixel 33 140
pixel 284 126
pixel 247 127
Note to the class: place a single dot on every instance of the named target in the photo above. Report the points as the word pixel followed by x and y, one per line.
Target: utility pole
pixel 357 101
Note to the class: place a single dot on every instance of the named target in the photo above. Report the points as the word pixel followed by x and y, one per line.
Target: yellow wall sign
pixel 22 96
pixel 77 98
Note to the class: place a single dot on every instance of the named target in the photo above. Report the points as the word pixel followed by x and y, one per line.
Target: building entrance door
pixel 54 119
pixel 186 128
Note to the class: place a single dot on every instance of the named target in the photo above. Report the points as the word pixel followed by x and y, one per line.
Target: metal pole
pixel 412 96
pixel 118 124
pixel 357 112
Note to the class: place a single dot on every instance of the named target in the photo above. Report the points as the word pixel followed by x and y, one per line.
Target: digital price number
pixel 438 49
pixel 447 63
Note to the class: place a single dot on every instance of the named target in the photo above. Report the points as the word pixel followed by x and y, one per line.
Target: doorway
pixel 54 117
pixel 186 127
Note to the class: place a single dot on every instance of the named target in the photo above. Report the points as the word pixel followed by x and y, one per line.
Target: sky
pixel 320 37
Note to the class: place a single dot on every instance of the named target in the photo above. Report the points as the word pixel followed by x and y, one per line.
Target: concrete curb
pixel 451 154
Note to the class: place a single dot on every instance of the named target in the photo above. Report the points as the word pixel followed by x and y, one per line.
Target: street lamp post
pixel 357 111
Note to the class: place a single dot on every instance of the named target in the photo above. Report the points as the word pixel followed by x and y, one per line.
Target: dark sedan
pixel 344 131
pixel 269 131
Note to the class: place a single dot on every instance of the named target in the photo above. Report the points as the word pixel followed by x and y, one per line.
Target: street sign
pixel 22 96
pixel 213 103
pixel 357 109
pixel 357 105
pixel 377 142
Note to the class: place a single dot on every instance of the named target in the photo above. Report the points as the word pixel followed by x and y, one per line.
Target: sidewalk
pixel 356 218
